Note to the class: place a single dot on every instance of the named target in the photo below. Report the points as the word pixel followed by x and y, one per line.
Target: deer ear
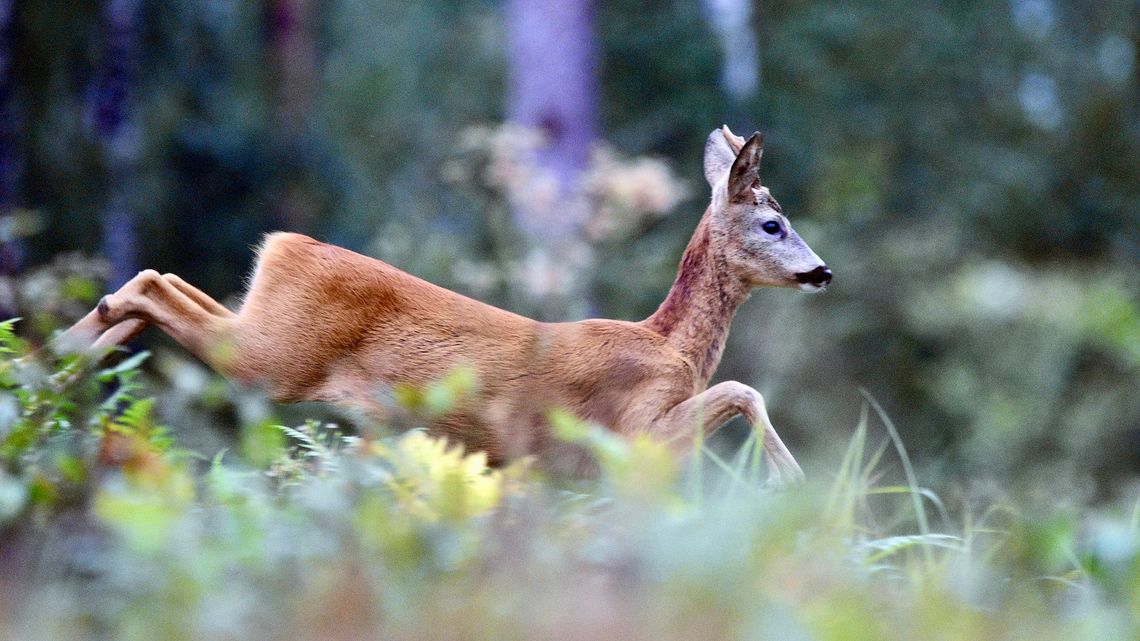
pixel 745 173
pixel 734 141
pixel 718 157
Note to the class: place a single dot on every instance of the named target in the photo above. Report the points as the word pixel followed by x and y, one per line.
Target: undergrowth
pixel 109 530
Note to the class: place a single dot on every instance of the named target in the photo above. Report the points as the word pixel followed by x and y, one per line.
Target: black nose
pixel 820 276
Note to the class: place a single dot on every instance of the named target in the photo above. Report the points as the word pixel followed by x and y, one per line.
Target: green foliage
pixel 54 426
pixel 438 397
pixel 262 443
pixel 310 533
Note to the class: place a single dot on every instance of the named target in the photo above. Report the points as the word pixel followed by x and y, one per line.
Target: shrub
pixel 110 530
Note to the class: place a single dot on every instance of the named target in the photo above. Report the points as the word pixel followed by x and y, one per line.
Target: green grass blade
pixel 908 469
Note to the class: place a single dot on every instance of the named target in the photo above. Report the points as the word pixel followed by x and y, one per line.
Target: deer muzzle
pixel 817 278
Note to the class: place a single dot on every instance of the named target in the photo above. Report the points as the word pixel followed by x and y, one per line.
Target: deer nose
pixel 820 276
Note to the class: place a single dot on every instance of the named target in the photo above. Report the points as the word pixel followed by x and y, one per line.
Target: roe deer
pixel 323 323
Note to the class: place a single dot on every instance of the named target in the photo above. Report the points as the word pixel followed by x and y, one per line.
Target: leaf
pixel 262 443
pixel 567 426
pixel 9 342
pixel 129 364
pixel 890 545
pixel 137 416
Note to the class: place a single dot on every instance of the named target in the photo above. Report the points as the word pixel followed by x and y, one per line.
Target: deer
pixel 322 323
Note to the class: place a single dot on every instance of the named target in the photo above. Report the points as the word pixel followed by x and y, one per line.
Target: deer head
pixel 747 224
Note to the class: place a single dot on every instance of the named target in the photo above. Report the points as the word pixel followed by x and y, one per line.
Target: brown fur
pixel 323 323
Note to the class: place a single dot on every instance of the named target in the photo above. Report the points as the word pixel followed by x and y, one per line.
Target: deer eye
pixel 771 227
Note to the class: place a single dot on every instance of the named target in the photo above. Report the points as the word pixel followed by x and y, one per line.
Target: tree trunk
pixel 732 22
pixel 291 25
pixel 552 76
pixel 10 251
pixel 553 87
pixel 110 117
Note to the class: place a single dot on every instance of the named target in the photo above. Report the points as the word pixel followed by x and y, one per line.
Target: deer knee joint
pixel 147 279
pixel 744 397
pixel 755 399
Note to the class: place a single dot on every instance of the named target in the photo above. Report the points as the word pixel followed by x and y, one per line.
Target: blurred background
pixel 970 171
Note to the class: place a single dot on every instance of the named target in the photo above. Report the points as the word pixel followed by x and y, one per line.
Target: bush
pixel 110 530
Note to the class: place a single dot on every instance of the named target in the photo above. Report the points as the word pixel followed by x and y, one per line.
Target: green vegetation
pixel 111 530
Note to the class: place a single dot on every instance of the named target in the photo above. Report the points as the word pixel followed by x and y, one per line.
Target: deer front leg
pixel 714 407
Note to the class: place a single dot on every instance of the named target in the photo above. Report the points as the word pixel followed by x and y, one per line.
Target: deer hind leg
pixel 126 330
pixel 193 319
pixel 715 406
pixel 99 329
pixel 198 296
pixel 120 333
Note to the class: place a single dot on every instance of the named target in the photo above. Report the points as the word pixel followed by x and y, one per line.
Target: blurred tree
pixel 552 88
pixel 291 27
pixel 740 71
pixel 552 71
pixel 111 119
pixel 212 157
pixel 292 41
pixel 10 251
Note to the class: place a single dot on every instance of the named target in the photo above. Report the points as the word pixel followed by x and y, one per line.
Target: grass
pixel 111 530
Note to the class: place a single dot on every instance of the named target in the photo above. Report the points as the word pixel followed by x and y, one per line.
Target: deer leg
pixel 715 406
pixel 96 331
pixel 120 333
pixel 81 336
pixel 126 330
pixel 152 299
pixel 198 296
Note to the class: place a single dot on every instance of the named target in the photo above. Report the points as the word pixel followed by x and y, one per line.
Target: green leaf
pixel 568 427
pixel 128 365
pixel 262 443
pixel 9 342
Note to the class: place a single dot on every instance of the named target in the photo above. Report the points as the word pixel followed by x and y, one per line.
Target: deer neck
pixel 697 313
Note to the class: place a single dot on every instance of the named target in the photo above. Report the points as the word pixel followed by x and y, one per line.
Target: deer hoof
pixel 783 475
pixel 104 310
